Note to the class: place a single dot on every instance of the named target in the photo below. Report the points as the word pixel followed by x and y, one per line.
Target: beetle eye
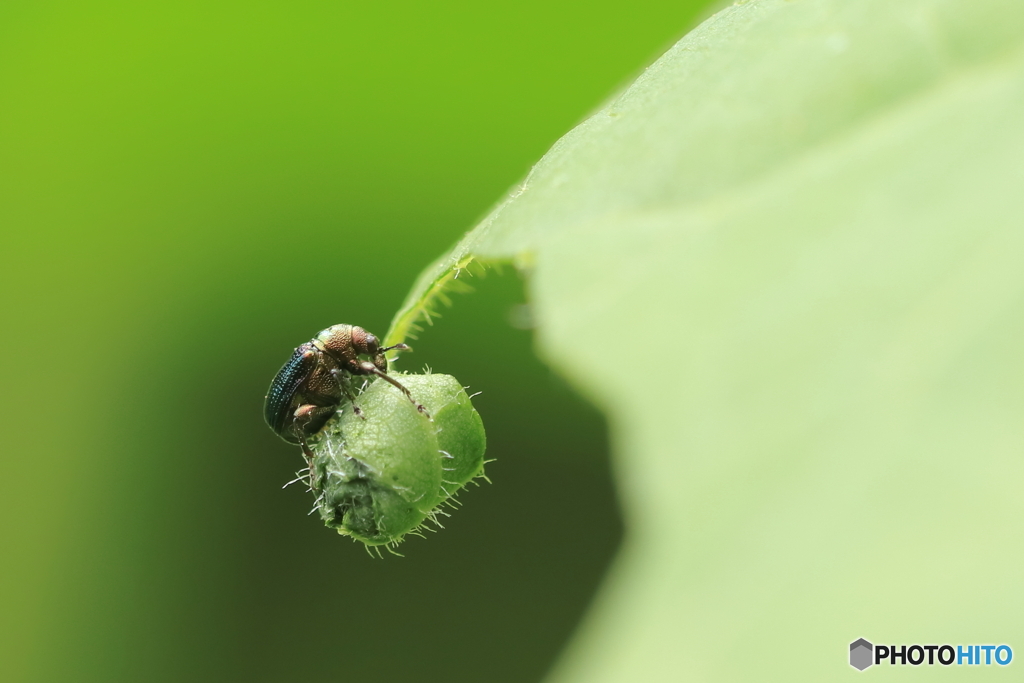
pixel 372 345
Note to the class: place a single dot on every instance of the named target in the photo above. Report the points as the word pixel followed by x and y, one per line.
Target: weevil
pixel 309 388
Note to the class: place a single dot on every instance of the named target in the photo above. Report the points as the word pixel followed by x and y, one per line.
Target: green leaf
pixel 788 264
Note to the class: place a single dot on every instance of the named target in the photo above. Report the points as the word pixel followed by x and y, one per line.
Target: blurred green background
pixel 188 191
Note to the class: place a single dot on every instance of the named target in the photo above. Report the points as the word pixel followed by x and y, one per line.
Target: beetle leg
pixel 308 420
pixel 343 382
pixel 371 369
pixel 309 461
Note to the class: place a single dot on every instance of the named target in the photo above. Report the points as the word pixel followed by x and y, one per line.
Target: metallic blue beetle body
pixel 307 391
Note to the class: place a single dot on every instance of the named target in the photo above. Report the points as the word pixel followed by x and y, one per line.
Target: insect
pixel 309 388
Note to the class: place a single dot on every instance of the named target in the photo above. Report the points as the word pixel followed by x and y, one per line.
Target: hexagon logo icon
pixel 861 654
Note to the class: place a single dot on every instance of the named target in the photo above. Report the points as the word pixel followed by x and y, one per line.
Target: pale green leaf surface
pixel 788 264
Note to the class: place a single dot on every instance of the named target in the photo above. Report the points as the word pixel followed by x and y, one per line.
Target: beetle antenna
pixel 397 347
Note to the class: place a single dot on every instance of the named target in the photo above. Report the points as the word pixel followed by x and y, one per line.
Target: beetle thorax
pixel 346 342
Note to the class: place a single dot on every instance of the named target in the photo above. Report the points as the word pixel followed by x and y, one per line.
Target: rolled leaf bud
pixel 381 474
